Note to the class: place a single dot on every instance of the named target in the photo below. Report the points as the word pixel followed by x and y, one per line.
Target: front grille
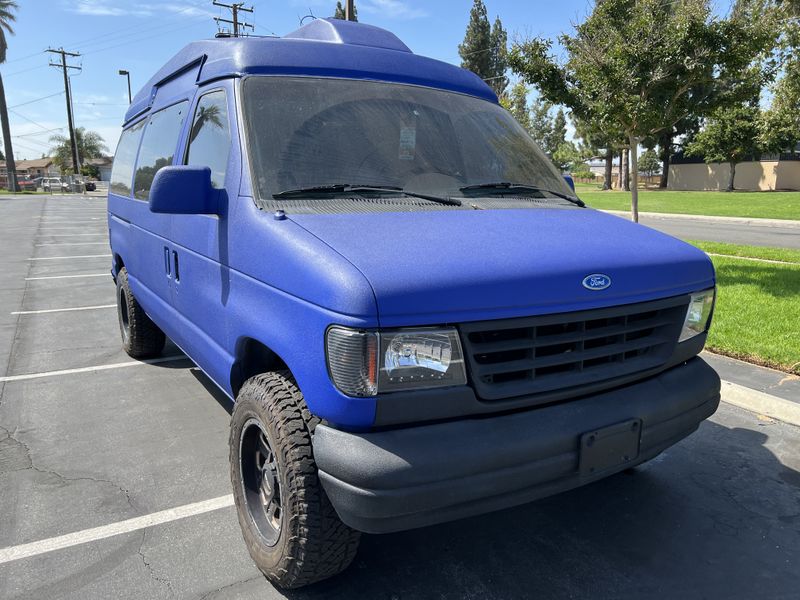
pixel 543 354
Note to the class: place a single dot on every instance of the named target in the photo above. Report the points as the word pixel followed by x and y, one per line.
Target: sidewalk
pixel 710 218
pixel 758 389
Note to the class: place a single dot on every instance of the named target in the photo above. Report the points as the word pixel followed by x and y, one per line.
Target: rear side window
pixel 158 146
pixel 210 137
pixel 125 156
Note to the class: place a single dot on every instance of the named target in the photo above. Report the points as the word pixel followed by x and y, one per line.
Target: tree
pixel 89 143
pixel 7 8
pixel 484 50
pixel 566 157
pixel 517 102
pixel 498 56
pixel 541 124
pixel 339 13
pixel 730 135
pixel 649 163
pixel 634 65
pixel 557 133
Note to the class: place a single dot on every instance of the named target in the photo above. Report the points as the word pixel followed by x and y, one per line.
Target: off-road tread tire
pixel 146 340
pixel 314 544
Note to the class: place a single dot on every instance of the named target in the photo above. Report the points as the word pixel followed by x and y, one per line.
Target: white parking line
pixel 58 310
pixel 68 276
pixel 74 234
pixel 75 256
pixel 73 244
pixel 106 531
pixel 133 363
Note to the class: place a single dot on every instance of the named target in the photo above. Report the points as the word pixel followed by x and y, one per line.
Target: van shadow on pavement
pixel 717 516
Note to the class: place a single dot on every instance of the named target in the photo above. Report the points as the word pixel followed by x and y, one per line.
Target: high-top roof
pixel 323 48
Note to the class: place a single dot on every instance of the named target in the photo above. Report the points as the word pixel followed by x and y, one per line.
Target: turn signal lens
pixel 353 361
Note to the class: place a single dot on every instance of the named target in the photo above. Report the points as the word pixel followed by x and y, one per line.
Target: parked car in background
pixel 54 184
pixel 26 184
pixel 90 186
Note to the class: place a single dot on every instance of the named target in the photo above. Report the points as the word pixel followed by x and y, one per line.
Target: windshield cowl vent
pixel 337 31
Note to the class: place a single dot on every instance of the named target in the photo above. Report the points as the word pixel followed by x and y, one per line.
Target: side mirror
pixel 183 190
pixel 570 182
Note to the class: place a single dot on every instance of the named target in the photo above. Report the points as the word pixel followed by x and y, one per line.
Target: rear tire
pixel 141 338
pixel 290 527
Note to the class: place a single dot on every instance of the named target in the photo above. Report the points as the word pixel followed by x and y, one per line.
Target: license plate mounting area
pixel 609 448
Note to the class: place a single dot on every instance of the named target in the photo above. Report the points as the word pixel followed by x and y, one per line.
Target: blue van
pixel 415 316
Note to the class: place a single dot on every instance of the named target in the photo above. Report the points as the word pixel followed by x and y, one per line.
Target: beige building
pixel 760 175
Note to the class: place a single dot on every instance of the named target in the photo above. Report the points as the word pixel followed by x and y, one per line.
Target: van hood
pixel 454 266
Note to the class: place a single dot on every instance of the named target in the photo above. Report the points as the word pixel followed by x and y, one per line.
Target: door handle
pixel 177 270
pixel 167 265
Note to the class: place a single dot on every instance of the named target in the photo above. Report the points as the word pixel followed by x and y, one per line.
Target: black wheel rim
pixel 260 481
pixel 124 317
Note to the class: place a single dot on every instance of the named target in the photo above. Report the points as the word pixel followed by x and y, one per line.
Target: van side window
pixel 158 146
pixel 210 137
pixel 124 157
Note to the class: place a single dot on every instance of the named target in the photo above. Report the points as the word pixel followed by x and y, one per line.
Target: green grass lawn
pixel 7 193
pixel 757 316
pixel 761 205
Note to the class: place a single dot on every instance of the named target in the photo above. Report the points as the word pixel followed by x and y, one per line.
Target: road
pixel 87 441
pixel 725 231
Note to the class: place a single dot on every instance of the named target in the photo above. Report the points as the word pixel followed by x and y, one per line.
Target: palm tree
pixel 90 145
pixel 7 8
pixel 205 114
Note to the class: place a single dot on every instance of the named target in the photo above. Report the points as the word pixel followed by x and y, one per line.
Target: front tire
pixel 290 527
pixel 141 338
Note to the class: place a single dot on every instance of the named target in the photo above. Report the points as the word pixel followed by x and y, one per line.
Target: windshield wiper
pixel 507 186
pixel 343 188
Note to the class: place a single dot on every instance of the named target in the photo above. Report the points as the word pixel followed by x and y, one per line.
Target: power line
pixel 134 41
pixel 22 135
pixel 35 100
pixel 21 116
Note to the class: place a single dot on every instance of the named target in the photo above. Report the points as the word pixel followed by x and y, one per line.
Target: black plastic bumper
pixel 406 478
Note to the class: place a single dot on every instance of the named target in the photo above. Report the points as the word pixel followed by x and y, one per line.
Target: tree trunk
pixel 11 168
pixel 620 179
pixel 634 149
pixel 665 144
pixel 626 171
pixel 609 168
pixel 732 177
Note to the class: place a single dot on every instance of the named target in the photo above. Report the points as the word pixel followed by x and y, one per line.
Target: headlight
pixel 365 363
pixel 698 314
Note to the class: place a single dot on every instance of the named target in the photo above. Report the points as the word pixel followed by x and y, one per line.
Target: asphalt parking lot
pixel 114 475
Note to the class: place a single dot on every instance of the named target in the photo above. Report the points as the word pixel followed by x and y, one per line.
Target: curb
pixel 712 219
pixel 761 403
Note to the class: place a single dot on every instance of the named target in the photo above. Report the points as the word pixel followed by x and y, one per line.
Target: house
pixel 103 165
pixel 38 167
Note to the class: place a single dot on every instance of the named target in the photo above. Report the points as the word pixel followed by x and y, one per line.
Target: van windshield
pixel 308 132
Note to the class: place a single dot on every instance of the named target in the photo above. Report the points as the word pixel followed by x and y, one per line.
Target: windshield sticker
pixel 408 142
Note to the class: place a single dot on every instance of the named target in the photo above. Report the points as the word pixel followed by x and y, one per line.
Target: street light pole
pixel 128 75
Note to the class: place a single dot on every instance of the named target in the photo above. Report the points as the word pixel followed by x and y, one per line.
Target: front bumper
pixel 405 478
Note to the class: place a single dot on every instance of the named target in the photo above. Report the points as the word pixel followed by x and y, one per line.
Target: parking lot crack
pixel 15 455
pixel 153 575
pixel 213 593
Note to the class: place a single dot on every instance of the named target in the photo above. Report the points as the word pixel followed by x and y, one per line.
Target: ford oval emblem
pixel 596 282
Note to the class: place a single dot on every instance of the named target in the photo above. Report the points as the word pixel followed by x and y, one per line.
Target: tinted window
pixel 158 146
pixel 210 137
pixel 122 171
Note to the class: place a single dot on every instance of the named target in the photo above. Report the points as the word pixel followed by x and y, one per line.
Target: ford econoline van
pixel 415 317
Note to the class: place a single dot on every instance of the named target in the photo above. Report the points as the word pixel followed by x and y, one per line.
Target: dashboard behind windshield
pixel 305 132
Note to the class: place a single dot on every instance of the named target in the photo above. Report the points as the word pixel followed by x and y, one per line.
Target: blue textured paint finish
pixel 216 273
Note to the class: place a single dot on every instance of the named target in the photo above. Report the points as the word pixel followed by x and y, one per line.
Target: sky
pixel 140 36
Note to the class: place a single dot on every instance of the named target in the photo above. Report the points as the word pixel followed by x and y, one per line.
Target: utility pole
pixel 235 9
pixel 73 141
pixel 349 12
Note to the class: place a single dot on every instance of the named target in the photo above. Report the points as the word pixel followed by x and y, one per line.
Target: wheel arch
pixel 252 358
